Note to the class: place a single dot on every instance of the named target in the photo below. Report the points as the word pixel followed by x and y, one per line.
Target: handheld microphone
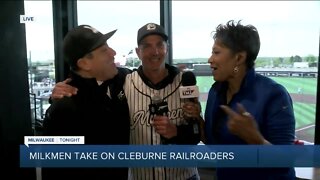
pixel 190 91
pixel 159 107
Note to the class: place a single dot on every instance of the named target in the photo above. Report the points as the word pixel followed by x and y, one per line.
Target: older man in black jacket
pixel 99 110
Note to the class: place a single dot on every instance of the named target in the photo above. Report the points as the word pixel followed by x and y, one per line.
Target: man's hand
pixel 62 89
pixel 163 126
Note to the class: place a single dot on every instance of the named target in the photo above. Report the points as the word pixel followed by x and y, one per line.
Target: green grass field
pixel 304 112
pixel 307 85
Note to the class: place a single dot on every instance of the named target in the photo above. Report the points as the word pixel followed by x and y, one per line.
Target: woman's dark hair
pixel 239 38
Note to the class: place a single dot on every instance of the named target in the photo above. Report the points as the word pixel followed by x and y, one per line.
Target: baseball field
pixel 302 92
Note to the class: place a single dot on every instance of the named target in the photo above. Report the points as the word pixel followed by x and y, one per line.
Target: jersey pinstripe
pixel 141 132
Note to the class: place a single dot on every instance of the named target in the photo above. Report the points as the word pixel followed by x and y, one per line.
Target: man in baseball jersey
pixel 155 79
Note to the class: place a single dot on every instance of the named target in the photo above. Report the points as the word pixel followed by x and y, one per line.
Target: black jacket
pixel 92 114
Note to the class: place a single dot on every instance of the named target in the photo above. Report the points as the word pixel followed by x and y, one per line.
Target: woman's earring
pixel 236 69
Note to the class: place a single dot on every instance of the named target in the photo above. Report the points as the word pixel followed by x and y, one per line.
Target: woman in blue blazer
pixel 244 107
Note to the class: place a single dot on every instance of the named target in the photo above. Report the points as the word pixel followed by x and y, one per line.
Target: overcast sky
pixel 286 28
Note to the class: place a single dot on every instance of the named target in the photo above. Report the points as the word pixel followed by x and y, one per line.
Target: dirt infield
pixel 303 98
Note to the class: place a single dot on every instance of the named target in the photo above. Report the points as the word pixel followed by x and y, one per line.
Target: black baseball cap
pixel 82 40
pixel 151 28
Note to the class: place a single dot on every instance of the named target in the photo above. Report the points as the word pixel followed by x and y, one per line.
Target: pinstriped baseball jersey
pixel 141 132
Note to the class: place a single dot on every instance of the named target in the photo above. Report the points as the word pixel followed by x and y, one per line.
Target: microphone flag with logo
pixel 189 90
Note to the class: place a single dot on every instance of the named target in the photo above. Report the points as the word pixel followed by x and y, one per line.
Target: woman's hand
pixel 243 125
pixel 191 109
